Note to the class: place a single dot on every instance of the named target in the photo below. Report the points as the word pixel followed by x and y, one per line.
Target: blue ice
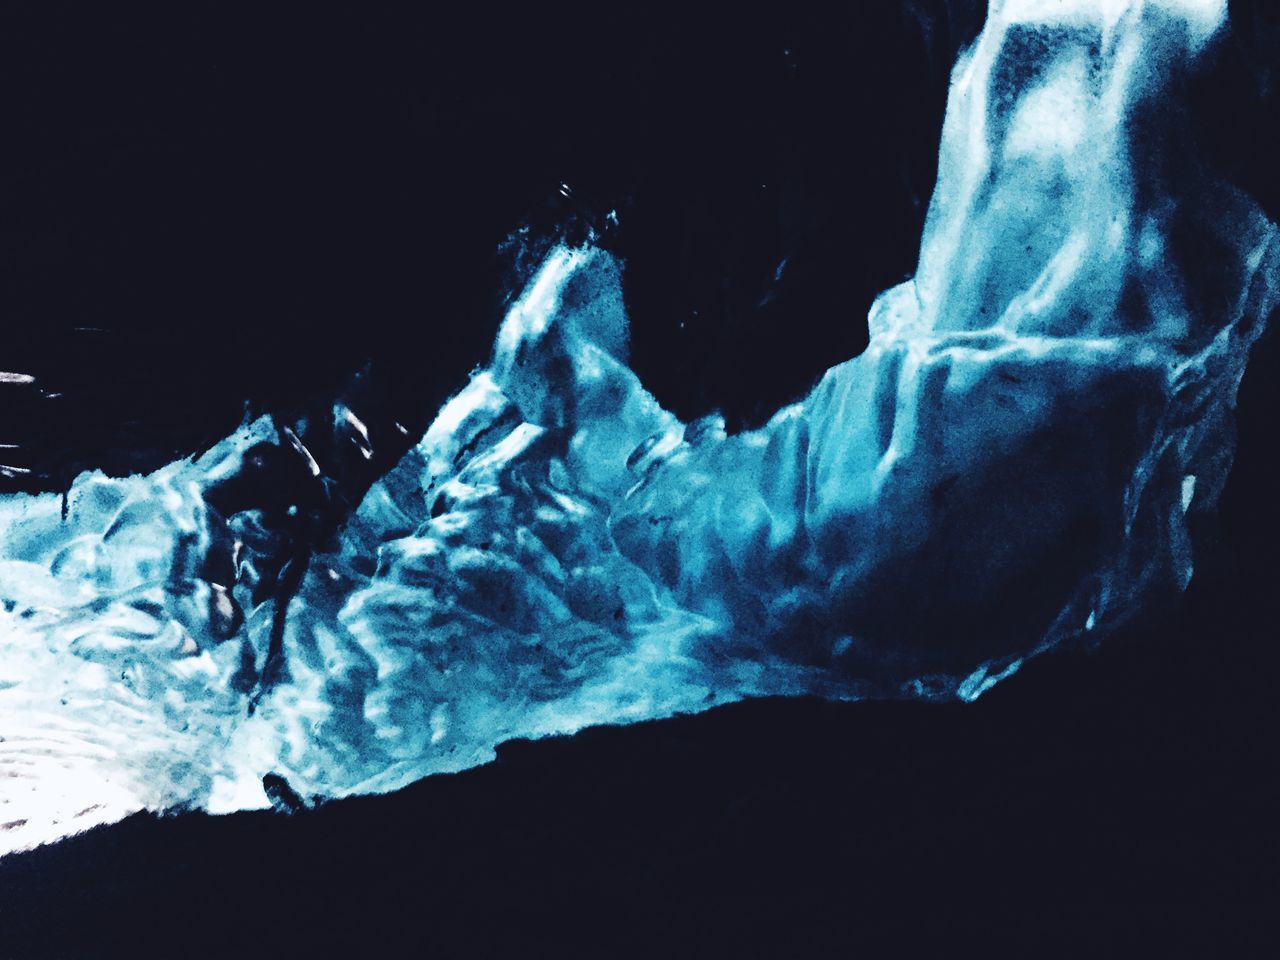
pixel 1010 463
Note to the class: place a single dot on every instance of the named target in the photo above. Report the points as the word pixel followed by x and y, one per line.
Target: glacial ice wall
pixel 1011 462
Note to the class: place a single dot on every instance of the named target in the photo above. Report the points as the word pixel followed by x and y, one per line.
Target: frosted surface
pixel 1011 462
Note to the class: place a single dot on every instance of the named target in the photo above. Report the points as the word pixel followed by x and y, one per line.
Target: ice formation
pixel 1011 462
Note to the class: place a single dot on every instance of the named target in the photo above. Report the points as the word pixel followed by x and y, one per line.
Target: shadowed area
pixel 203 205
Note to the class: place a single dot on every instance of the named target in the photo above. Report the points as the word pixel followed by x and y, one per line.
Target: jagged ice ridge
pixel 1011 462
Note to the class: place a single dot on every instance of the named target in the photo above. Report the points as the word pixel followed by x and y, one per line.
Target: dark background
pixel 208 206
pixel 202 206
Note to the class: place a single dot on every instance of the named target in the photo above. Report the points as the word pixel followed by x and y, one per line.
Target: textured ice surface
pixel 1010 463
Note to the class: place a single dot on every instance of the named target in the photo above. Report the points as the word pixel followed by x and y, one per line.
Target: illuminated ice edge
pixel 1010 463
